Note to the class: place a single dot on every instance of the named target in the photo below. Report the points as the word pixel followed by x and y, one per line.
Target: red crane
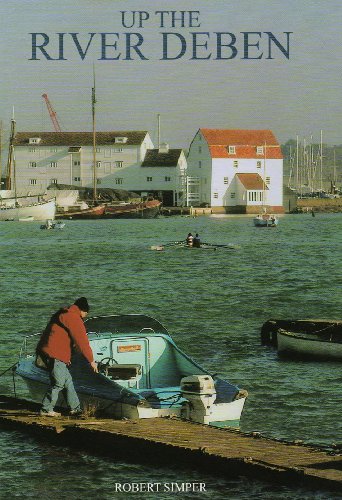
pixel 52 114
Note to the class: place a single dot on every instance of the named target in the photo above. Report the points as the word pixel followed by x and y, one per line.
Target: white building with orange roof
pixel 236 171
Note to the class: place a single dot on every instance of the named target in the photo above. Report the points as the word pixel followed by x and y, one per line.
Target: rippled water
pixel 212 302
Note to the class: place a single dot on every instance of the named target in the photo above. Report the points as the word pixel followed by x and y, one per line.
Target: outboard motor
pixel 200 392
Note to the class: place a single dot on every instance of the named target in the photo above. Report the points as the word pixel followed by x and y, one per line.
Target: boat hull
pixel 141 374
pixel 265 220
pixel 88 213
pixel 38 211
pixel 145 210
pixel 220 415
pixel 295 345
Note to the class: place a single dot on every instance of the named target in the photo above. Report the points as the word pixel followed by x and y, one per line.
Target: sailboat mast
pixel 93 102
pixel 297 164
pixel 0 155
pixel 321 163
pixel 158 131
pixel 264 185
pixel 10 155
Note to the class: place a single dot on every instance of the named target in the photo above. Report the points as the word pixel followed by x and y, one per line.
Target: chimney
pixel 163 148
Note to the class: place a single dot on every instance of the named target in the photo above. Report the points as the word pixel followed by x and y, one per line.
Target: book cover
pixel 169 68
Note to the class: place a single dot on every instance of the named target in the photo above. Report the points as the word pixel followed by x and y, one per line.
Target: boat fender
pixel 243 393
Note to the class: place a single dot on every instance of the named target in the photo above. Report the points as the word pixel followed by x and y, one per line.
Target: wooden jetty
pixel 225 452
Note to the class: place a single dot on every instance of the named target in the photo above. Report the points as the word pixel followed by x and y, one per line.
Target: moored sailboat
pixel 17 208
pixel 265 219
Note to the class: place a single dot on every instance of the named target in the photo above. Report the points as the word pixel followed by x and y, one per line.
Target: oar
pixel 169 244
pixel 229 245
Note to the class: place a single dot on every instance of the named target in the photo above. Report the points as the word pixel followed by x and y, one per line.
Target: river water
pixel 212 302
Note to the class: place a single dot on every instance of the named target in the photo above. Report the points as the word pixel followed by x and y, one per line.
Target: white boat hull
pixel 220 415
pixel 265 220
pixel 39 211
pixel 290 343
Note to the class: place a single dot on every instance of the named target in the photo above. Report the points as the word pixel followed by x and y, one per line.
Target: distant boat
pixel 52 224
pixel 87 213
pixel 35 211
pixel 148 209
pixel 22 208
pixel 322 345
pixel 265 220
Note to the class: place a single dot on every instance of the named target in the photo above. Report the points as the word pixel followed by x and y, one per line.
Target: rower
pixel 196 241
pixel 189 240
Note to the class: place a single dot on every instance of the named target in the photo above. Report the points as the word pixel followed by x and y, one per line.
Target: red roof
pixel 252 181
pixel 245 142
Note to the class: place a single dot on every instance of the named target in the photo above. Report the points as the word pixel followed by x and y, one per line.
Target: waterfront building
pixel 235 171
pixel 123 160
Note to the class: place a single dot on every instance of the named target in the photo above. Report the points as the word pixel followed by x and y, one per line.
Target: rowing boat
pixel 203 246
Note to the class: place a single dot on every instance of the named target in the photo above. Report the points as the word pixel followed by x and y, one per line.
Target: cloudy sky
pixel 299 95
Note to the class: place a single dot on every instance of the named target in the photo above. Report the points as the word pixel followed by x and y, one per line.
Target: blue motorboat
pixel 142 374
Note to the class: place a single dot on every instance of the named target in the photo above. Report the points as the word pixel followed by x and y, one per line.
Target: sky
pixel 295 95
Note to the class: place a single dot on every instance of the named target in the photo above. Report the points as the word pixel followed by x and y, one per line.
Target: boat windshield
pixel 124 323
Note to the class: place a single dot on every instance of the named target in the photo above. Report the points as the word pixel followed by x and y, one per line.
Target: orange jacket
pixel 57 343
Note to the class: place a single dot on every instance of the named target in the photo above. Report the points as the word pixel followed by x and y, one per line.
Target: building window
pixel 231 150
pixel 32 164
pixel 77 163
pixel 77 179
pixel 149 179
pixel 268 180
pixel 232 195
pixel 215 195
pixel 258 164
pixel 235 163
pixel 53 181
pixel 97 150
pixel 33 182
pixel 200 149
pixel 119 180
pixel 118 150
pixel 167 179
pixel 225 180
pixel 108 152
pixel 260 150
pixel 200 164
pixel 98 164
pixel 53 164
pixel 53 150
pixel 118 164
pixel 34 140
pixel 32 150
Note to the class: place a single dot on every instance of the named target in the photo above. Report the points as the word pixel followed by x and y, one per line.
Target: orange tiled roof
pixel 245 142
pixel 252 181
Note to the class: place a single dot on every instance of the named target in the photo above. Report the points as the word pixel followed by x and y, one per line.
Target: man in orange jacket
pixel 64 330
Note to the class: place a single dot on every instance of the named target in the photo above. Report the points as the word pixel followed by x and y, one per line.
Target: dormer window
pixel 121 140
pixel 34 140
pixel 231 150
pixel 260 150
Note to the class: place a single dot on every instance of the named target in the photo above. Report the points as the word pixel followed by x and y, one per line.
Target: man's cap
pixel 82 304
